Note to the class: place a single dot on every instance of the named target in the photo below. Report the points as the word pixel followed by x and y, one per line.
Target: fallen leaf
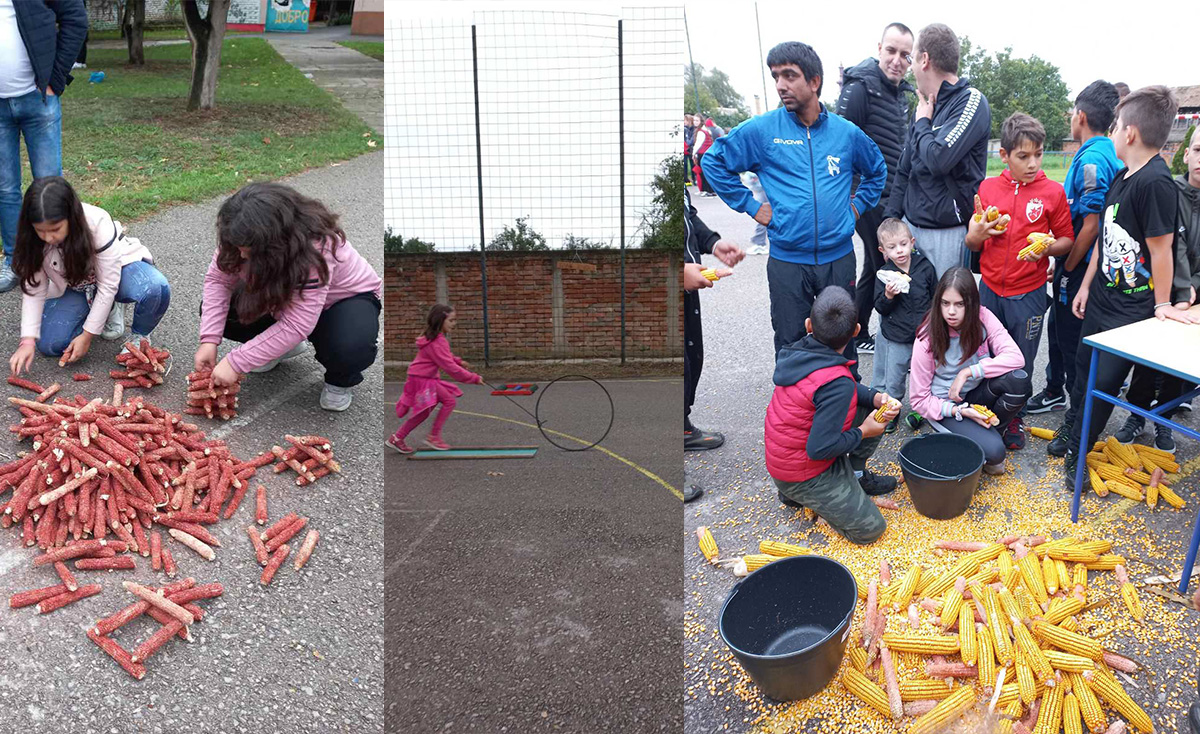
pixel 370 143
pixel 267 141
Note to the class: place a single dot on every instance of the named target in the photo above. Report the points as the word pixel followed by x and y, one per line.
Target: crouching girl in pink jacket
pixel 424 389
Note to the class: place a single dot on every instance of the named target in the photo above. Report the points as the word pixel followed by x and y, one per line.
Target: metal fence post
pixel 479 179
pixel 621 185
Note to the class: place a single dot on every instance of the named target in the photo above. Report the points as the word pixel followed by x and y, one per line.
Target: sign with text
pixel 288 16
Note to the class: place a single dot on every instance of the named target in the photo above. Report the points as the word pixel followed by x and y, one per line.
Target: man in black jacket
pixel 875 97
pixel 700 240
pixel 39 41
pixel 945 157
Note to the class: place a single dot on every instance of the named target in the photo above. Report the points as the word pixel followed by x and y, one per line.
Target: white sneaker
pixel 114 326
pixel 292 353
pixel 78 65
pixel 336 398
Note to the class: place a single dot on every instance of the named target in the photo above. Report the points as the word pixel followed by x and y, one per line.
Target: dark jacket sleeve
pixel 883 304
pixel 705 237
pixel 894 208
pixel 853 104
pixel 72 30
pixel 941 150
pixel 832 400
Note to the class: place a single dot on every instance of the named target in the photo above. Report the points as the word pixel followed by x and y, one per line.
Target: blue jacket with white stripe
pixel 806 173
pixel 944 160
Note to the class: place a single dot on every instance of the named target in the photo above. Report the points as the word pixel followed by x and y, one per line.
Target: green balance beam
pixel 475 452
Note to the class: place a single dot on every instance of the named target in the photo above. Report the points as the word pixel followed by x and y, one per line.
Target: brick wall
pixel 543 306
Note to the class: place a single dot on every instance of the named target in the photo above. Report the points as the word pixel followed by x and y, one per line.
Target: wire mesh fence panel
pixel 505 137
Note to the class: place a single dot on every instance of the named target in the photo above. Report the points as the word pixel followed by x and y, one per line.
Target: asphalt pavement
pixel 302 655
pixel 741 508
pixel 528 595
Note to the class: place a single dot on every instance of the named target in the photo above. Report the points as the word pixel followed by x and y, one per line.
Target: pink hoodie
pixel 929 384
pixel 421 387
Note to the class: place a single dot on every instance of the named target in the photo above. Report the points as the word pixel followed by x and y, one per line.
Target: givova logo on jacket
pixel 834 165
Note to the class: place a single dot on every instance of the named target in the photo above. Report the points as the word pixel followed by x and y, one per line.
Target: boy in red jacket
pixel 1014 285
pixel 821 427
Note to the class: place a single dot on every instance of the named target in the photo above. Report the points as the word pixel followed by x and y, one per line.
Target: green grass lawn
pixel 1054 165
pixel 131 146
pixel 374 49
pixel 149 34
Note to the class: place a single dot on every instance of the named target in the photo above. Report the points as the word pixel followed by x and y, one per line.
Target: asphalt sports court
pixel 741 508
pixel 537 594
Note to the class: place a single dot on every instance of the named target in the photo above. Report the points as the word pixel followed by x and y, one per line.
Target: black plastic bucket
pixel 942 473
pixel 787 624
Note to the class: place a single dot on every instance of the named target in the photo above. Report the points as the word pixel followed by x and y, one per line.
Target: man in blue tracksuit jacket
pixel 806 160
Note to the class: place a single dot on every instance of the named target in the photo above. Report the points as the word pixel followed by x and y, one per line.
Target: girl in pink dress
pixel 424 389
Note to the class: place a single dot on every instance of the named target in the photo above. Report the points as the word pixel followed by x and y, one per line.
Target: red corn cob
pixel 306 549
pixel 64 573
pixel 260 550
pixel 57 602
pixel 33 596
pixel 81 377
pixel 279 525
pixel 156 551
pixel 277 559
pixel 287 533
pixel 118 653
pixel 120 563
pixel 260 513
pixel 168 562
pixel 27 384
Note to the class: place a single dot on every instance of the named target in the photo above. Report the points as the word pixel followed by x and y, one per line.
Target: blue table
pixel 1167 346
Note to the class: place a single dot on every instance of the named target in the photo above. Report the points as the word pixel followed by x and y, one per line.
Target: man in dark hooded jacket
pixel 875 98
pixel 39 41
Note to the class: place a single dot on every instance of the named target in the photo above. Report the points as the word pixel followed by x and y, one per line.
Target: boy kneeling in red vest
pixel 821 427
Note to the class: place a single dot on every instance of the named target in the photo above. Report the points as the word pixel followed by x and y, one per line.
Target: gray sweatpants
pixel 892 361
pixel 944 248
pixel 836 495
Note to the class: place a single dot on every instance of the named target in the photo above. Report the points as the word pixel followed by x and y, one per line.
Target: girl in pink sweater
pixel 424 390
pixel 962 356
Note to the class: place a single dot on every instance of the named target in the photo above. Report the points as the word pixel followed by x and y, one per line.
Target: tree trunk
pixel 206 35
pixel 135 20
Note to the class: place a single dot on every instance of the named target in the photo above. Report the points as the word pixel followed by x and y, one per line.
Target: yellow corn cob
pixel 1063 607
pixel 1004 562
pixel 1025 681
pixel 1130 596
pixel 947 710
pixel 1152 496
pixel 1097 455
pixel 776 548
pixel 922 644
pixel 966 636
pixel 1049 575
pixel 870 694
pixel 1106 687
pixel 1111 471
pixel 1033 654
pixel 985 575
pixel 859 581
pixel 998 631
pixel 1029 608
pixel 1032 577
pixel 985 656
pixel 965 567
pixel 1081 577
pixel 708 544
pixel 983 555
pixel 1138 476
pixel 1071 722
pixel 1045 433
pixel 951 603
pixel 752 562
pixel 1098 547
pixel 905 591
pixel 1060 660
pixel 1009 713
pixel 1068 641
pixel 1064 577
pixel 1107 562
pixel 1097 483
pixel 1153 451
pixel 1164 459
pixel 1010 693
pixel 1073 553
pixel 858 657
pixel 1089 705
pixel 1011 577
pixel 1070 624
pixel 1126 453
pixel 983 410
pixel 1008 603
pixel 928 576
pixel 1168 495
pixel 887 405
pixel 711 274
pixel 1113 458
pixel 1050 716
pixel 1123 489
pixel 923 690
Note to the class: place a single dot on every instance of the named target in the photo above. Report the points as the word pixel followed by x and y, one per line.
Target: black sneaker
pixel 697 440
pixel 1014 435
pixel 1164 439
pixel 914 420
pixel 1046 401
pixel 1060 445
pixel 692 492
pixel 875 485
pixel 1069 474
pixel 1133 427
pixel 789 501
pixel 865 344
pixel 892 425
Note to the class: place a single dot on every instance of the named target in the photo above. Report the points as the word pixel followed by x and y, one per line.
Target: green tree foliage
pixel 521 239
pixel 1177 165
pixel 1033 86
pixel 662 223
pixel 716 92
pixel 394 244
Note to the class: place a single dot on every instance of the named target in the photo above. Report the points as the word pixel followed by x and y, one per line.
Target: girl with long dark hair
pixel 962 356
pixel 76 266
pixel 424 389
pixel 284 273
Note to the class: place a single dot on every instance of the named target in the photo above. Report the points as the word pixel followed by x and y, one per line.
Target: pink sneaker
pixel 399 445
pixel 436 442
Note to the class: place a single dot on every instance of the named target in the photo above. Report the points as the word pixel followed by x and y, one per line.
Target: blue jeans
pixel 40 121
pixel 141 283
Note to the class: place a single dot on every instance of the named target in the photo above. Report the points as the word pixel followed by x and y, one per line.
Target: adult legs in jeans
pixel 40 122
pixel 141 284
pixel 793 288
pixel 864 295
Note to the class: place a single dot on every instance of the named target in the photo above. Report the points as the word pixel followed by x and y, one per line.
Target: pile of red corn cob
pixel 311 457
pixel 144 365
pixel 205 398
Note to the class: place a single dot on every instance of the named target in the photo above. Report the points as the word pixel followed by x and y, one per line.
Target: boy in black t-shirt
pixel 1133 252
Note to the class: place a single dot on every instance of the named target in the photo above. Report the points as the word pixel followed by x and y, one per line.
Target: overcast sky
pixel 1140 43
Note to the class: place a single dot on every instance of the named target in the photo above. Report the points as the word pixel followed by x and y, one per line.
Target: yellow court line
pixel 678 494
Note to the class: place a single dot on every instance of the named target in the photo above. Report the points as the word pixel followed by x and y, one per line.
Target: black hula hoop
pixel 612 413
